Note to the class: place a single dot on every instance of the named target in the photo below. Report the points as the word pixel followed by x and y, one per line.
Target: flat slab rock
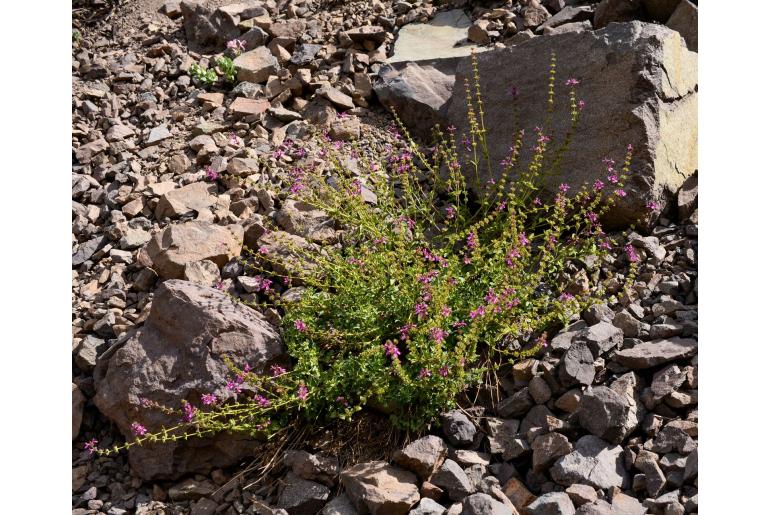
pixel 656 352
pixel 594 462
pixel 380 489
pixel 178 354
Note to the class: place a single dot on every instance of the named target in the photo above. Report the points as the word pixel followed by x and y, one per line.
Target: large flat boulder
pixel 639 84
pixel 178 355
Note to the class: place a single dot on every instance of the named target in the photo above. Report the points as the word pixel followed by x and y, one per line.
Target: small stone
pixel 423 456
pixel 458 428
pixel 453 480
pixel 302 497
pixel 204 272
pixel 546 449
pixel 427 506
pixel 336 97
pixel 553 503
pixel 516 405
pixel 577 365
pixel 518 493
pixel 581 494
pixel 601 337
pixel 158 134
pixel 647 463
pixel 593 462
pixel 340 505
pixel 539 390
pixel 380 489
pixel 657 352
pixel 242 106
pixel 256 65
pixel 190 489
pixel 313 467
pixel 483 504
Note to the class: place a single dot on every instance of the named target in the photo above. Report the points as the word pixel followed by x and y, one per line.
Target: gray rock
pixel 569 14
pixel 627 323
pixel 423 456
pixel 673 438
pixel 87 351
pixel 158 134
pixel 599 313
pixel 657 352
pixel 377 488
pixel 304 54
pixel 502 437
pixel 178 354
pixel 458 428
pixel 427 506
pixel 307 221
pixel 87 249
pixel 594 462
pixel 78 401
pixel 539 390
pixel 623 504
pixel 516 405
pixel 313 467
pixel 598 507
pixel 302 497
pixel 443 36
pixel 340 505
pixel 608 414
pixel 453 480
pixel 195 197
pixel 547 448
pixel 667 380
pixel 647 463
pixel 256 65
pixel 609 11
pixel 577 365
pixel 483 504
pixel 601 337
pixel 581 494
pixel 553 503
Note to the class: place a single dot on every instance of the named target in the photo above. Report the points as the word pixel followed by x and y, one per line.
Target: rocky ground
pixel 170 181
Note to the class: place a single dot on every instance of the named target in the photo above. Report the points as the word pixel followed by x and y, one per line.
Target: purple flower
pixel 513 91
pixel 592 217
pixel 572 82
pixel 443 371
pixel 421 310
pixel 188 412
pixel 472 240
pixel 598 185
pixel 300 326
pixel 391 349
pixel 478 312
pixel 451 129
pixel 652 205
pixel 404 330
pixel 208 399
pixel 138 429
pixel 450 212
pixel 537 201
pixel 446 311
pixel 620 193
pixel 277 370
pixel 605 245
pixel 523 239
pixel 264 250
pixel 613 178
pixel 633 257
pixel 581 104
pixel 437 334
pixel 91 445
pixel 424 372
pixel 211 174
pixel 302 392
pixel 342 400
pixel 262 401
pixel 563 187
pixel 233 386
pixel 566 297
pixel 239 45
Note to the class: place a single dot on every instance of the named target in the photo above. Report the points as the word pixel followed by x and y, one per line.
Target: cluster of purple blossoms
pixel 652 205
pixel 633 257
pixel 472 241
pixel 404 330
pixel 91 446
pixel 478 312
pixel 572 82
pixel 592 217
pixel 239 45
pixel 443 371
pixel 620 192
pixel 342 400
pixel 598 185
pixel 437 334
pixel 450 212
pixel 302 392
pixel 300 325
pixel 427 277
pixel 391 349
pixel 211 174
pixel 563 187
pixel 208 399
pixel 188 412
pixel 262 401
pixel 138 429
pixel 298 174
pixel 421 310
pixel 277 370
pixel 233 139
pixel 446 311
pixel 523 239
pixel 566 297
pixel 262 283
pixel 424 372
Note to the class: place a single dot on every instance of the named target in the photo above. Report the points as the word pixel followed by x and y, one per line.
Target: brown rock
pixel 380 489
pixel 518 493
pixel 249 106
pixel 684 20
pixel 192 197
pixel 78 400
pixel 256 65
pixel 168 252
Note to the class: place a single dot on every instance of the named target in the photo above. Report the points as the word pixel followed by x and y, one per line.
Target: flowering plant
pixel 434 279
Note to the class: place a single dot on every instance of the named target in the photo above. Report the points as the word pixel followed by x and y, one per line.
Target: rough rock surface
pixel 380 489
pixel 177 354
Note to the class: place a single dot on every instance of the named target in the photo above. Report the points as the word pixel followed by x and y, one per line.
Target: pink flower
pixel 233 139
pixel 523 239
pixel 592 217
pixel 537 201
pixel 91 446
pixel 262 401
pixel 211 174
pixel 613 178
pixel 446 311
pixel 208 399
pixel 421 310
pixel 581 104
pixel 451 129
pixel 391 349
pixel 239 45
pixel 652 205
pixel 605 245
pixel 188 412
pixel 233 386
pixel 138 429
pixel 424 372
pixel 437 334
pixel 563 187
pixel 342 400
pixel 598 185
pixel 620 193
pixel 300 326
pixel 478 312
pixel 443 371
pixel 277 370
pixel 572 82
pixel 633 257
pixel 450 212
pixel 566 297
pixel 302 392
pixel 404 330
pixel 472 241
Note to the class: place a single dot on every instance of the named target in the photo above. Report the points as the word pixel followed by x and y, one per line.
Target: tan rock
pixel 380 489
pixel 169 251
pixel 249 106
pixel 197 196
pixel 518 493
pixel 256 65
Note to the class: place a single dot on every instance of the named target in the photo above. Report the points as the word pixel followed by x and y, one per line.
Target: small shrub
pixel 224 66
pixel 431 285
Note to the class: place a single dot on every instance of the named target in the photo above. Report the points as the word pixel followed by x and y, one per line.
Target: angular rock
pixel 196 197
pixel 158 134
pixel 178 354
pixel 340 505
pixel 87 249
pixel 302 497
pixel 577 365
pixel 202 272
pixel 609 11
pixel 553 503
pixel 539 390
pixel 427 506
pixel 516 405
pixel 458 428
pixel 377 488
pixel 170 251
pixel 287 253
pixel 242 106
pixel 657 352
pixel 687 197
pixel 601 337
pixel 581 494
pixel 483 504
pixel 336 97
pixel 547 448
pixel 598 507
pixel 518 494
pixel 623 504
pixel 503 439
pixel 423 456
pixel 608 414
pixel 453 480
pixel 654 479
pixel 256 65
pixel 594 462
pixel 666 381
